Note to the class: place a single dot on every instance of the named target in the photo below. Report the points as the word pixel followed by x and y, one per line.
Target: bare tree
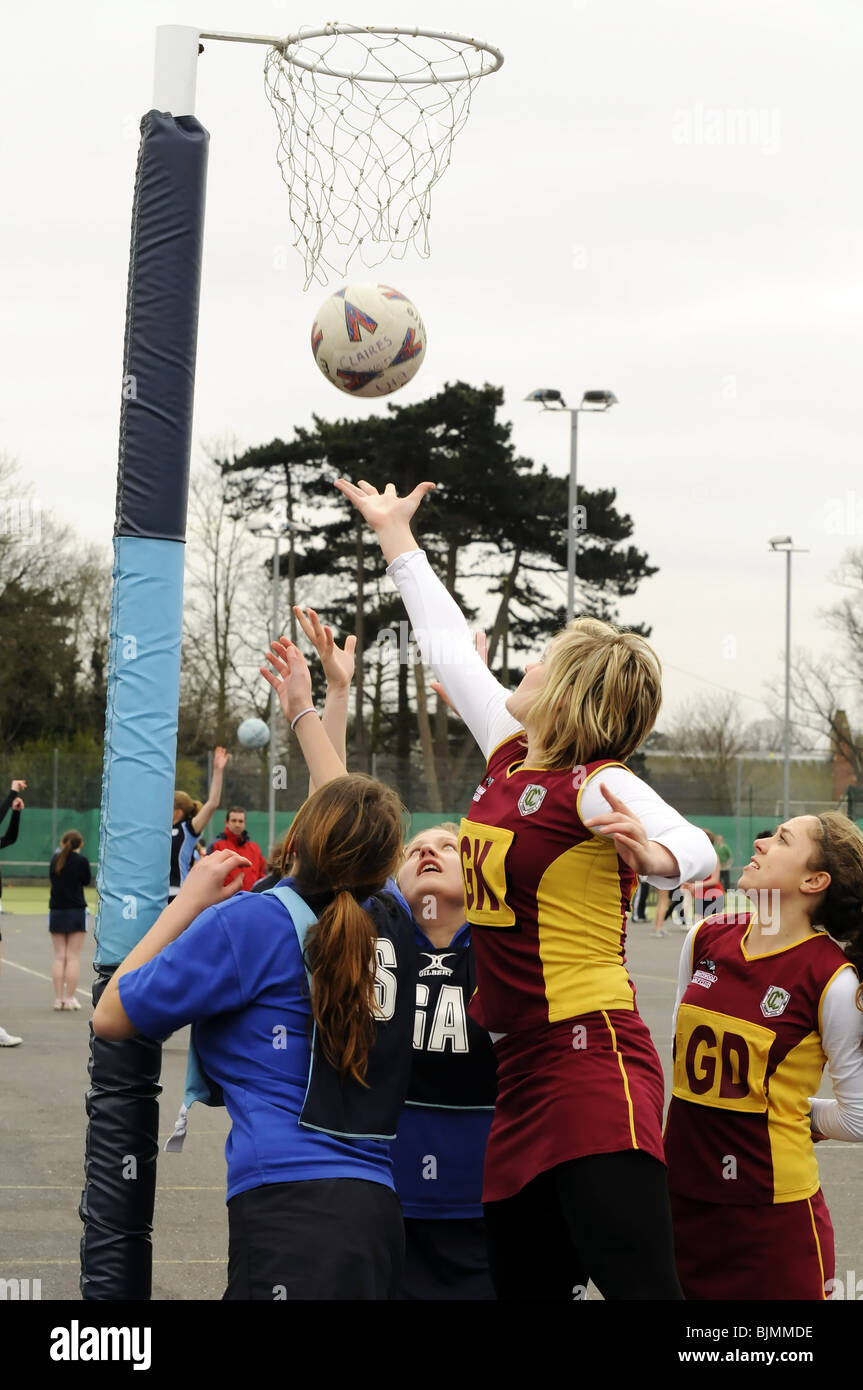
pixel 225 609
pixel 827 693
pixel 710 732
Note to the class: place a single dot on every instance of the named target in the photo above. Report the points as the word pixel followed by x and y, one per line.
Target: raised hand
pixel 18 785
pixel 338 662
pixel 289 677
pixel 220 759
pixel 212 880
pixel 388 514
pixel 17 804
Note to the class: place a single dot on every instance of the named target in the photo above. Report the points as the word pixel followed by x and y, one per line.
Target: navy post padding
pixel 120 1166
pixel 162 328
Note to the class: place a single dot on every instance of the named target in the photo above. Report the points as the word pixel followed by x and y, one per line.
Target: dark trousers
pixel 335 1238
pixel 446 1260
pixel 606 1217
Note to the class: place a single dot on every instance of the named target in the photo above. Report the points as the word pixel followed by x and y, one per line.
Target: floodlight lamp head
pixel 548 398
pixel 779 542
pixel 598 400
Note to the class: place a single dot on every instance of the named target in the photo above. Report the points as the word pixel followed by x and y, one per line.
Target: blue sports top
pixel 440 1147
pixel 237 972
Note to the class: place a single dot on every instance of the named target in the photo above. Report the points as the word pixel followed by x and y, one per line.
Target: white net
pixel 367 120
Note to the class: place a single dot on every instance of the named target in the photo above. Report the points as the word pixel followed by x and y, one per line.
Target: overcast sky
pixel 659 199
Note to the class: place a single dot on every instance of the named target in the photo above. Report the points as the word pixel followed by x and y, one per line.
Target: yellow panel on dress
pixel 798 1076
pixel 483 850
pixel 580 932
pixel 721 1061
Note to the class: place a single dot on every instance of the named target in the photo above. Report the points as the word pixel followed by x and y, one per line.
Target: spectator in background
pixel 704 897
pixel 723 854
pixel 190 817
pixel 67 916
pixel 17 806
pixel 236 837
pixel 14 801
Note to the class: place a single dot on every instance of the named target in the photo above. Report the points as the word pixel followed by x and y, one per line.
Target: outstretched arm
pixel 14 824
pixel 292 683
pixel 439 626
pixel 338 664
pixel 214 797
pixel 211 881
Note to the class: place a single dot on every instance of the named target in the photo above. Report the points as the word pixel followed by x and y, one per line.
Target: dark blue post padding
pixel 120 1164
pixel 143 684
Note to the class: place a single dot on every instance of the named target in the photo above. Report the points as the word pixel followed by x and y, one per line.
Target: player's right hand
pixel 338 662
pixel 213 880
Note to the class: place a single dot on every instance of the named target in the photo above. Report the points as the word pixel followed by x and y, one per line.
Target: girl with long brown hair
pixel 69 873
pixel 550 848
pixel 302 1005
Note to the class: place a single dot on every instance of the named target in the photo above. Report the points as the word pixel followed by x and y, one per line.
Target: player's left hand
pixel 17 804
pixel 627 832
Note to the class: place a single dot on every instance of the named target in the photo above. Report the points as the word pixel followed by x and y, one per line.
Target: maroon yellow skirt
pixel 783 1251
pixel 587 1085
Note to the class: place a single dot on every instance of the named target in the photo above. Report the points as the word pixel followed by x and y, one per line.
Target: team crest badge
pixel 531 799
pixel 775 1002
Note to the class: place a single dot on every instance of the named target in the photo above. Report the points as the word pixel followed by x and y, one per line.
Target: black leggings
pixel 606 1218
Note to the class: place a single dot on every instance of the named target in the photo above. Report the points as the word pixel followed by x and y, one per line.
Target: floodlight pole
pixel 779 544
pixel 590 401
pixel 786 780
pixel 274 707
pixel 571 532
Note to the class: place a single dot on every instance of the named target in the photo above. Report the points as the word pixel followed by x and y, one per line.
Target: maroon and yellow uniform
pixel 750 1221
pixel 547 900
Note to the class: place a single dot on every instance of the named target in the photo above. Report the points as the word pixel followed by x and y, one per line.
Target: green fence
pixel 40 830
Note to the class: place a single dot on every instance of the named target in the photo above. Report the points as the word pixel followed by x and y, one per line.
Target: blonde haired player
pixel 556 834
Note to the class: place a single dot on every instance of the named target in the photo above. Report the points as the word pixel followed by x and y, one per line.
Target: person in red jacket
pixel 236 837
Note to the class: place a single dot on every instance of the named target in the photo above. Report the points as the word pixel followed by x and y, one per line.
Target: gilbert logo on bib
pixel 775 1002
pixel 531 799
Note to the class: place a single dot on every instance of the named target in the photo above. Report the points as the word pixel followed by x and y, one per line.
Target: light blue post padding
pixel 140 742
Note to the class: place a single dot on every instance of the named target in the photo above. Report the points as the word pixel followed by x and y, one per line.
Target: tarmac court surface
pixel 43 1122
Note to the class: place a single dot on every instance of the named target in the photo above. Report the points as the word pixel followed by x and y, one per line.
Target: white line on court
pixel 38 974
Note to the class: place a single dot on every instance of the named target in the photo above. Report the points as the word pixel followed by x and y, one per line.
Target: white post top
pixel 176 69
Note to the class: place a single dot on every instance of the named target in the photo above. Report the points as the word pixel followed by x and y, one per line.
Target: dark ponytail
pixel 71 840
pixel 347 840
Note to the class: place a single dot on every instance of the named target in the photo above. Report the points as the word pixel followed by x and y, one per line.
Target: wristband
pixel 311 710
